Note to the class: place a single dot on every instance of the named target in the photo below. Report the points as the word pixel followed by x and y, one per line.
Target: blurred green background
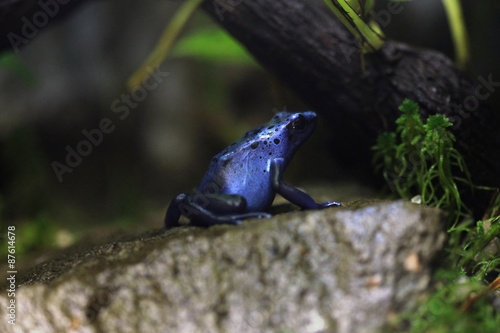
pixel 67 78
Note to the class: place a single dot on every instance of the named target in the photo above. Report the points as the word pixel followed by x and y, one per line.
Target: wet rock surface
pixel 340 269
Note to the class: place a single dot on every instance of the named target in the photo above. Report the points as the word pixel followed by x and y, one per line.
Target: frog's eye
pixel 298 124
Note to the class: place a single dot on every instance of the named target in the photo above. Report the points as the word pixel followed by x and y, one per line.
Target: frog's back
pixel 243 170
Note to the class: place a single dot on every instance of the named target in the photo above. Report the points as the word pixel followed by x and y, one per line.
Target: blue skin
pixel 243 179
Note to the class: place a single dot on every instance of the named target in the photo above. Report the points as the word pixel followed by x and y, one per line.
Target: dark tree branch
pixel 22 20
pixel 312 52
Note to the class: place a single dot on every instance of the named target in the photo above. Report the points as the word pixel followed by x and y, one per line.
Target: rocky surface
pixel 344 270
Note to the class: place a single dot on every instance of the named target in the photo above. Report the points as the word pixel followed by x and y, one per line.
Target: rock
pixel 340 269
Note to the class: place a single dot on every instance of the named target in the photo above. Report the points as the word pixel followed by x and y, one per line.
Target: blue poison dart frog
pixel 243 179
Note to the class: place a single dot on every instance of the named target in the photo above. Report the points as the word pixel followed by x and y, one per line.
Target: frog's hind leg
pixel 174 211
pixel 209 209
pixel 219 208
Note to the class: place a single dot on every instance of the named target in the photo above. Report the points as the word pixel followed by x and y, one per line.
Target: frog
pixel 242 180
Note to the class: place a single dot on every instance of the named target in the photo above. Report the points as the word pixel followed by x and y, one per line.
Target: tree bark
pixel 23 20
pixel 311 51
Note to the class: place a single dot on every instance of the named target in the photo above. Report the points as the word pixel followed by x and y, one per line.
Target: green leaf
pixel 11 63
pixel 213 45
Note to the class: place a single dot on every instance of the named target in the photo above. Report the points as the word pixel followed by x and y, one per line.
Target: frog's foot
pixel 329 204
pixel 237 219
pixel 255 215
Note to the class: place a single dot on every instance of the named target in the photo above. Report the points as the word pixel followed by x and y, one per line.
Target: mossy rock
pixel 339 269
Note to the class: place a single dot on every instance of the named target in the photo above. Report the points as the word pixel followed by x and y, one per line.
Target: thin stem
pixel 165 43
pixel 458 31
pixel 354 23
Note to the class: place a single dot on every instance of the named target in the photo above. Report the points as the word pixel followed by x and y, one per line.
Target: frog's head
pixel 290 129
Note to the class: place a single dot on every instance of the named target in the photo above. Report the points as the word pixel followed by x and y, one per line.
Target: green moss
pixel 419 160
pixel 444 310
pixel 478 254
pixel 450 309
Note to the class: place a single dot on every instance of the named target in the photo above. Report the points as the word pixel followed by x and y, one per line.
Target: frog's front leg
pixel 293 194
pixel 209 209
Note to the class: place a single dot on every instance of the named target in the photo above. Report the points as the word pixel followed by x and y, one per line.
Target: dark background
pixel 79 66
